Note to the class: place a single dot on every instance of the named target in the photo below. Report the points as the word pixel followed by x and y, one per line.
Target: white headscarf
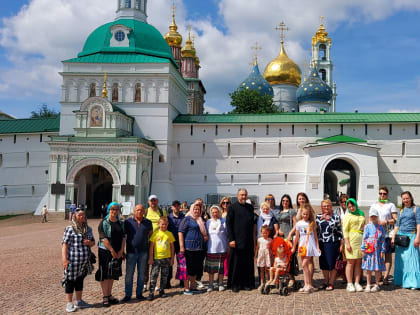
pixel 266 217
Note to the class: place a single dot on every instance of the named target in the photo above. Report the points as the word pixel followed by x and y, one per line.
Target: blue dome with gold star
pixel 313 89
pixel 256 82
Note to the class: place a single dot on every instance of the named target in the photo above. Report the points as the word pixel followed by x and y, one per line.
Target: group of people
pixel 231 237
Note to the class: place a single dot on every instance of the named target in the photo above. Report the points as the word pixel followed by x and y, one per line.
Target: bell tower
pixel 321 59
pixel 132 9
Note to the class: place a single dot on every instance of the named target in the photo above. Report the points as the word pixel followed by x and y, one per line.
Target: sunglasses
pixel 383 194
pixel 225 202
pixel 269 199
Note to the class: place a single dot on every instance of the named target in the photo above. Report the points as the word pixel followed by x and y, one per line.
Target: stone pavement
pixel 30 273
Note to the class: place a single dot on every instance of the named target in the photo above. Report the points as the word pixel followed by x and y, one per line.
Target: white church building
pixel 132 124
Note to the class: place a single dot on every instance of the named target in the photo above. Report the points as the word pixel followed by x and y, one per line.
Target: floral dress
pixel 374 234
pixel 264 254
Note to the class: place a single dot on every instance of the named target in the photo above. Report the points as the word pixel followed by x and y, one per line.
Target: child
pixel 263 253
pixel 280 265
pixel 373 248
pixel 161 256
pixel 308 244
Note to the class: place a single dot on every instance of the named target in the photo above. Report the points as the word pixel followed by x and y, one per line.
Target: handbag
pixel 115 269
pixel 370 246
pixel 181 270
pixel 340 264
pixel 302 251
pixel 403 240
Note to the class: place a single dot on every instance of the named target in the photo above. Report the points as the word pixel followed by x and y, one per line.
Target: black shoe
pixel 126 299
pixel 113 300
pixel 162 294
pixel 140 297
pixel 150 297
pixel 235 289
pixel 247 288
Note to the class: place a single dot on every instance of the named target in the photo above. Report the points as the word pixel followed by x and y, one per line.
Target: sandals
pixel 105 301
pixel 385 281
pixel 324 286
pixel 112 300
pixel 291 284
pixel 329 287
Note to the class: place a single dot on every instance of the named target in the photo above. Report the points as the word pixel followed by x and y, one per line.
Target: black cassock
pixel 240 222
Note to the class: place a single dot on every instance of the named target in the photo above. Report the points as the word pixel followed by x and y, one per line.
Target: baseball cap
pixel 153 197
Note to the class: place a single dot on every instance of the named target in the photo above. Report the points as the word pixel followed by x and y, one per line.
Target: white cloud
pixel 44 32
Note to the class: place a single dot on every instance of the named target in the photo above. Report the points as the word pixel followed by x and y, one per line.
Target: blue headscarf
pixel 109 207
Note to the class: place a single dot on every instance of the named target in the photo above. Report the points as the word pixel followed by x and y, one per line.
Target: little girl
pixel 263 253
pixel 280 265
pixel 308 244
pixel 373 248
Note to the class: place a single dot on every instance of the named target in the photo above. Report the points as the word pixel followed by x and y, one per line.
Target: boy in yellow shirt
pixel 161 256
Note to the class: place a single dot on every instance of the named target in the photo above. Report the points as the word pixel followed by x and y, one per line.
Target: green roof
pixel 30 125
pixel 144 39
pixel 118 58
pixel 299 118
pixel 341 138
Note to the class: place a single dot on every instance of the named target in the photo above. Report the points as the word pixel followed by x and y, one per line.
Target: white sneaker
pixel 70 308
pixel 200 285
pixel 358 287
pixel 367 289
pixel 375 288
pixel 221 288
pixel 350 287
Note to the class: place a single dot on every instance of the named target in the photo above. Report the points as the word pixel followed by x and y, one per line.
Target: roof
pixel 30 125
pixel 6 116
pixel 118 58
pixel 341 138
pixel 313 89
pixel 144 39
pixel 256 82
pixel 299 118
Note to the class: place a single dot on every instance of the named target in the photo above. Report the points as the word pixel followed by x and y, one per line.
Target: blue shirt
pixel 406 220
pixel 137 235
pixel 174 223
pixel 193 239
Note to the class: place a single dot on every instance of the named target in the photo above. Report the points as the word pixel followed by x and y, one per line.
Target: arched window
pixel 115 92
pixel 323 74
pixel 137 95
pixel 92 90
pixel 128 3
pixel 322 52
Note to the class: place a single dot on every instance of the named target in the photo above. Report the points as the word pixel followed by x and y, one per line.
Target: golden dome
pixel 173 38
pixel 282 70
pixel 188 50
pixel 321 36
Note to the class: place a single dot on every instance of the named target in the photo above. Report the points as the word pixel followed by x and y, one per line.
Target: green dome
pixel 144 39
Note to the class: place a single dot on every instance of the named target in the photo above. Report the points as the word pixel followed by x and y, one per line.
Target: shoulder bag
pixel 403 240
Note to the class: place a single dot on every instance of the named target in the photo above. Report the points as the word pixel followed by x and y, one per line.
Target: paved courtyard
pixel 30 273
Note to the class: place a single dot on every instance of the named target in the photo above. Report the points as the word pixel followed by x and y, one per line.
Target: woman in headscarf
pixel 110 252
pixel 77 241
pixel 353 225
pixel 192 235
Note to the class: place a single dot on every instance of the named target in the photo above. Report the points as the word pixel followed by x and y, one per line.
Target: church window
pixel 115 92
pixel 92 90
pixel 390 129
pixel 161 158
pixel 119 36
pixel 128 3
pixel 323 74
pixel 322 52
pixel 137 94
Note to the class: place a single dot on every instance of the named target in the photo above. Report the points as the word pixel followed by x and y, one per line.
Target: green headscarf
pixel 357 211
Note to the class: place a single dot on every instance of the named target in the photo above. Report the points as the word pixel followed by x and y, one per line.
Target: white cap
pixel 153 197
pixel 373 212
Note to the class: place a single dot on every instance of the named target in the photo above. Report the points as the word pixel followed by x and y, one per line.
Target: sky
pixel 375 46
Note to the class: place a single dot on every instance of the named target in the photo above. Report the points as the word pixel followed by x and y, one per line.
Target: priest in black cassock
pixel 240 222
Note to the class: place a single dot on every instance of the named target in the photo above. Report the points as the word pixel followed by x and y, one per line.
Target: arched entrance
pixel 93 188
pixel 340 177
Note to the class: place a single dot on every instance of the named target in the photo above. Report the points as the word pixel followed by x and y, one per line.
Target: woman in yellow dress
pixel 353 226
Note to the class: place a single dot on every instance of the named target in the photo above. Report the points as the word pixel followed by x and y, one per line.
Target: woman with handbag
pixel 110 252
pixel 406 239
pixel 77 241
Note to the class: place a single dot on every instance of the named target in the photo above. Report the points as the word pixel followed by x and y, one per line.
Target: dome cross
pixel 282 28
pixel 255 48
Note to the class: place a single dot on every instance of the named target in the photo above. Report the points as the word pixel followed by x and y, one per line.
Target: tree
pixel 44 112
pixel 252 102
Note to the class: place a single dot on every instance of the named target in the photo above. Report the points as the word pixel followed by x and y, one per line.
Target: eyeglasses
pixel 383 194
pixel 225 202
pixel 267 199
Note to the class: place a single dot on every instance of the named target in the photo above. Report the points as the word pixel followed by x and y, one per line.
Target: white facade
pixel 285 97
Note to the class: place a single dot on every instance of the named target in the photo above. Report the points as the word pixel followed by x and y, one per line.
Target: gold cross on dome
pixel 173 8
pixel 321 19
pixel 282 28
pixel 256 48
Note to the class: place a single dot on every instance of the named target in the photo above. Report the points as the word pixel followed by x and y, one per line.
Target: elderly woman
pixel 267 217
pixel 217 246
pixel 110 252
pixel 354 222
pixel 77 241
pixel 330 239
pixel 407 259
pixel 192 235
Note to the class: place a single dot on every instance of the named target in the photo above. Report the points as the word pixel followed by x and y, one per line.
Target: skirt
pixel 329 254
pixel 194 262
pixel 108 268
pixel 215 263
pixel 407 264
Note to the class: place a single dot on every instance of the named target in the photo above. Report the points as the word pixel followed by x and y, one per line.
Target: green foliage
pixel 44 112
pixel 252 102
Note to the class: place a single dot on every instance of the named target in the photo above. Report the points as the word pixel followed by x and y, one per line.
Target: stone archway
pixel 340 177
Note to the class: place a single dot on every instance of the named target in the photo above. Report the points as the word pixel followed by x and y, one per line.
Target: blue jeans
pixel 133 259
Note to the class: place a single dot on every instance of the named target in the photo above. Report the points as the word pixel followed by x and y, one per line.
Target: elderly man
pixel 138 231
pixel 240 223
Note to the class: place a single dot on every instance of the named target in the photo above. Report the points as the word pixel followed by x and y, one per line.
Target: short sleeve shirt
pixel 162 241
pixel 385 213
pixel 154 216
